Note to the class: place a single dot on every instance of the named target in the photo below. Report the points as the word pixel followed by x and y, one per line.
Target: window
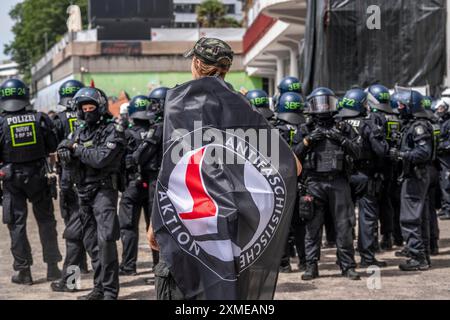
pixel 230 9
pixel 184 8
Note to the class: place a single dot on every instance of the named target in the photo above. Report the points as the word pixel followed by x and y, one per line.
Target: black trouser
pixel 165 285
pixel 367 197
pixel 331 195
pixel 433 195
pixel 444 179
pixel 386 207
pixel 29 182
pixel 151 195
pixel 298 232
pixel 414 214
pixel 69 206
pixel 98 210
pixel 134 199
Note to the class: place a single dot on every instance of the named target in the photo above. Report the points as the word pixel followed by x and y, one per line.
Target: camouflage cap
pixel 211 51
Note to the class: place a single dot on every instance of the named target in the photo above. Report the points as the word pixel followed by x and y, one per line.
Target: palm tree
pixel 211 14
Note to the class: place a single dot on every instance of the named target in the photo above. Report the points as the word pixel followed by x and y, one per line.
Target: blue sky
pixel 6 24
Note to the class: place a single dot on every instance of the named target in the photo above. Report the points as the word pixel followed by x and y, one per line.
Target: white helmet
pixel 124 108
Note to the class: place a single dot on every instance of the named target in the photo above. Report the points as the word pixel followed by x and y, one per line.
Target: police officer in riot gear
pixel 434 191
pixel 367 180
pixel 326 154
pixel 383 115
pixel 393 168
pixel 260 100
pixel 416 152
pixel 287 84
pixel 135 197
pixel 289 119
pixel 94 152
pixel 26 139
pixel 65 123
pixel 149 154
pixel 442 111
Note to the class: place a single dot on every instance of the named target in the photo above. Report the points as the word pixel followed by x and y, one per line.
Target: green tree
pixel 38 23
pixel 212 14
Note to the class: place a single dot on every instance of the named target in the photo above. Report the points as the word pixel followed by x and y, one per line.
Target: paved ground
pixel 392 283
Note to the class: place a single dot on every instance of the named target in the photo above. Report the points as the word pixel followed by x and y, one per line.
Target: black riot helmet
pixel 411 104
pixel 93 96
pixel 378 97
pixel 157 99
pixel 139 107
pixel 67 91
pixel 14 96
pixel 322 102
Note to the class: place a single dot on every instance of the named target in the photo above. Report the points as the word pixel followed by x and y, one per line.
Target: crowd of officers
pixel 389 156
pixel 386 155
pixel 98 156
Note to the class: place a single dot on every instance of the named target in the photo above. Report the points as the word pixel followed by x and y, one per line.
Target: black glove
pixel 335 135
pixel 129 162
pixel 64 155
pixel 396 154
pixel 315 136
pixel 68 144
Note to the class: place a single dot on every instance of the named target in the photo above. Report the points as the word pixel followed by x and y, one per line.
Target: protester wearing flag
pixel 225 192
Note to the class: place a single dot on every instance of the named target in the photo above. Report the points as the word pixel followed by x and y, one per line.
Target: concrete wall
pixel 144 82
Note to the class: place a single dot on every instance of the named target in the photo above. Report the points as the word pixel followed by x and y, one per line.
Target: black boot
pixel 61 286
pixel 301 266
pixel 398 242
pixel 386 242
pixel 403 253
pixel 375 262
pixel 23 277
pixel 414 264
pixel 93 295
pixel 351 274
pixel 286 268
pixel 312 272
pixel 434 247
pixel 53 272
pixel 84 269
pixel 127 272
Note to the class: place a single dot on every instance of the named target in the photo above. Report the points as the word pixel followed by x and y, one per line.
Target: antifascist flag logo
pixel 202 202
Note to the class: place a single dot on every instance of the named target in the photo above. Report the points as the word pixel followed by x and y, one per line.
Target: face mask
pixel 92 117
pixel 403 113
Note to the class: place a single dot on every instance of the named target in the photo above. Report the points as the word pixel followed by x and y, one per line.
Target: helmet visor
pixel 322 104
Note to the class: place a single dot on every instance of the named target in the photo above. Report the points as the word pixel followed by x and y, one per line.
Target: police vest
pixel 23 138
pixel 393 129
pixel 69 121
pixel 325 157
pixel 93 140
pixel 366 153
pixel 155 135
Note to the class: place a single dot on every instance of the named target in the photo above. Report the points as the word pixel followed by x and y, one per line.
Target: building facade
pixel 8 69
pixel 273 39
pixel 185 16
pixel 135 67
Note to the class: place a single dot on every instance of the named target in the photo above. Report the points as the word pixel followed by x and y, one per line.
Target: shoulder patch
pixel 419 130
pixel 111 145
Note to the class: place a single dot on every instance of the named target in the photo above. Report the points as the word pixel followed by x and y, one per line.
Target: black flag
pixel 225 194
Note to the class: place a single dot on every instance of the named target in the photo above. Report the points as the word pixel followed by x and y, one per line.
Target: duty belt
pixel 325 176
